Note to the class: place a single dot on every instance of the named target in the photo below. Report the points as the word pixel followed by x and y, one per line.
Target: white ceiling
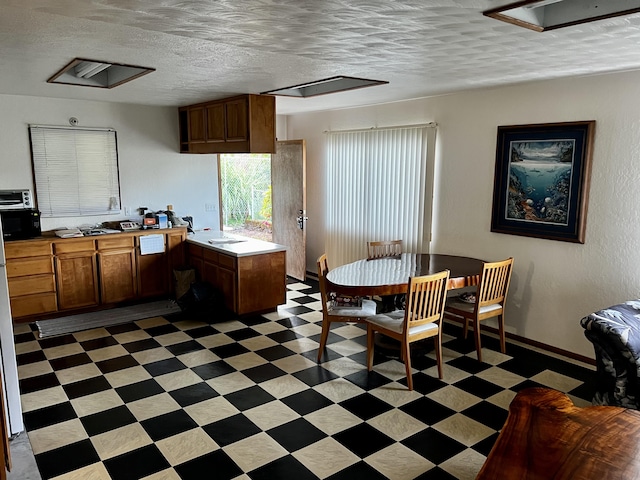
pixel 208 49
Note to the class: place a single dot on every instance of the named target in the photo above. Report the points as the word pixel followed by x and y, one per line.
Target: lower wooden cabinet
pixel 117 269
pixel 152 275
pixel 227 283
pixel 50 275
pixel 77 280
pixel 117 275
pixel 36 304
pixel 31 279
pixel 250 284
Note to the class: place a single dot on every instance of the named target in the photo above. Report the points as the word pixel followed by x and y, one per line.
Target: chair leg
pixel 465 327
pixel 405 349
pixel 437 340
pixel 476 333
pixel 323 338
pixel 503 342
pixel 370 335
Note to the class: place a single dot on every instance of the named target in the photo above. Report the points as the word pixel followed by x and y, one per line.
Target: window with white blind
pixel 379 187
pixel 75 170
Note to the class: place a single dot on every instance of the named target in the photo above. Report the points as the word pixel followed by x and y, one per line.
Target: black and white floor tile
pixel 179 398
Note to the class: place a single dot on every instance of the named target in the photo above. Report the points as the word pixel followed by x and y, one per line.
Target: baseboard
pixel 518 338
pixel 534 343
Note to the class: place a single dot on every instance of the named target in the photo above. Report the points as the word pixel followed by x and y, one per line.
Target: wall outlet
pixel 127 211
pixel 209 207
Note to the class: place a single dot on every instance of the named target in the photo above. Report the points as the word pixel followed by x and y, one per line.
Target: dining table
pixel 390 275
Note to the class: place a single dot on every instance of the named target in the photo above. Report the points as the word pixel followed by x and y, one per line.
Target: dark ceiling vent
pixel 94 73
pixel 543 15
pixel 323 87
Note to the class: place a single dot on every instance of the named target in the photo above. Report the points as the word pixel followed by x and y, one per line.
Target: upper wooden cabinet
pixel 243 124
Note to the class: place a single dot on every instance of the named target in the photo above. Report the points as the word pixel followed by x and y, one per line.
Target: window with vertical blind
pixel 75 171
pixel 379 187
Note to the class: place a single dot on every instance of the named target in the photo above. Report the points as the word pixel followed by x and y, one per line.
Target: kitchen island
pixel 250 273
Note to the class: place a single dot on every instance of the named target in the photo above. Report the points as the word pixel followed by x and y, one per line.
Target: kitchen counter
pixel 50 275
pixel 233 245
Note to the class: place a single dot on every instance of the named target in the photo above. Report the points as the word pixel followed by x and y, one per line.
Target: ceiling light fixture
pixel 543 15
pixel 89 69
pixel 94 73
pixel 325 86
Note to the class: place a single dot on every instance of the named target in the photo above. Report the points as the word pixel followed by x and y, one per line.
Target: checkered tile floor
pixel 175 398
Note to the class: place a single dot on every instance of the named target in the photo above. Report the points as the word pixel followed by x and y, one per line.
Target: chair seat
pixel 394 321
pixel 468 307
pixel 367 310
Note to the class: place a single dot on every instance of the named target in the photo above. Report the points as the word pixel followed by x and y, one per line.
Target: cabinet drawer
pixel 29 266
pixel 195 251
pixel 115 242
pixel 26 249
pixel 210 256
pixel 32 284
pixel 33 304
pixel 226 261
pixel 72 247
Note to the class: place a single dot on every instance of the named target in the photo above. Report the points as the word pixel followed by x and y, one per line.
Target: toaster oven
pixel 16 199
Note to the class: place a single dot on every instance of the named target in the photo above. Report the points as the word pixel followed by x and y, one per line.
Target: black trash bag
pixel 204 302
pixel 183 278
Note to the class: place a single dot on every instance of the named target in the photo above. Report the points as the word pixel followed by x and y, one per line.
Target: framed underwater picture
pixel 541 185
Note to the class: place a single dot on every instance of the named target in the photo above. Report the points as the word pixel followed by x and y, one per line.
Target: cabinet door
pixel 176 254
pixel 197 125
pixel 210 273
pixel 237 120
pixel 117 275
pixel 152 275
pixel 175 248
pixel 215 123
pixel 226 282
pixel 77 280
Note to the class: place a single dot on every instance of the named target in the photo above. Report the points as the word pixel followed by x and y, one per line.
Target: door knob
pixel 301 219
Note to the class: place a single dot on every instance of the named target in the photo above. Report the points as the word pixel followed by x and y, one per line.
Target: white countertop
pixel 237 245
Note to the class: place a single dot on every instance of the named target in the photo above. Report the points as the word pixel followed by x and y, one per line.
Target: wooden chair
pixel 388 248
pixel 331 313
pixel 421 319
pixel 491 296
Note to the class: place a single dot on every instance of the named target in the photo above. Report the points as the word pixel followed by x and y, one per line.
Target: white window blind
pixel 377 189
pixel 75 170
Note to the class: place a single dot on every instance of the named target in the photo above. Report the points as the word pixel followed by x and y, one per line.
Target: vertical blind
pixel 377 189
pixel 75 170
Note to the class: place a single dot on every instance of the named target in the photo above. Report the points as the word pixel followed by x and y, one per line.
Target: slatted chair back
pixel 382 249
pixel 494 283
pixel 323 269
pixel 426 298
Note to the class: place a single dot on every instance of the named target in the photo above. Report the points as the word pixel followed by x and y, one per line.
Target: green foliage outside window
pixel 245 181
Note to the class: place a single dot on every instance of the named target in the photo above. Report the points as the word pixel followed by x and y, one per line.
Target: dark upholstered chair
pixel 615 334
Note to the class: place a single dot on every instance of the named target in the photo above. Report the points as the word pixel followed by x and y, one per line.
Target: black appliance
pixel 20 224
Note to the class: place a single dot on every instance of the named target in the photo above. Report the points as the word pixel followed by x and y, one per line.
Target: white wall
pixel 152 172
pixel 554 283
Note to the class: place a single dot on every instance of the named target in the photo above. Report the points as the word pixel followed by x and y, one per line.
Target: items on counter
pixel 156 220
pixel 69 233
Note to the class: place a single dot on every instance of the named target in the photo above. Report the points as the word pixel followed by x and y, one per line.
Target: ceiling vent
pixel 323 87
pixel 543 15
pixel 94 73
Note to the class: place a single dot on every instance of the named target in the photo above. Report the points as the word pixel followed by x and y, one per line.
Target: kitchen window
pixel 75 170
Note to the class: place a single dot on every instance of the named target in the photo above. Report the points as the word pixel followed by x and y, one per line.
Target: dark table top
pixel 387 276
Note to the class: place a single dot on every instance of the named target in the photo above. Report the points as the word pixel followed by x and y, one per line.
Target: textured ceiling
pixel 208 49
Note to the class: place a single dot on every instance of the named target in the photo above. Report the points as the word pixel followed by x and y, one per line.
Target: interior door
pixel 289 203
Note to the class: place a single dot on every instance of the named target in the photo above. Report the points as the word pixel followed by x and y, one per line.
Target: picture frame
pixel 542 176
